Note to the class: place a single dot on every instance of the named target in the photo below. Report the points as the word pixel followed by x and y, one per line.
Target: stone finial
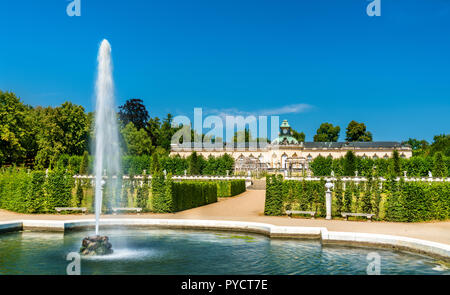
pixel 430 175
pixel 332 173
pixel 356 173
pixel 405 173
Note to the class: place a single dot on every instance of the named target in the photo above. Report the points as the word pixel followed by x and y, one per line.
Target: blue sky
pixel 242 57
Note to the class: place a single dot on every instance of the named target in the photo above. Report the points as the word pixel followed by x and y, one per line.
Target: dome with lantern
pixel 285 136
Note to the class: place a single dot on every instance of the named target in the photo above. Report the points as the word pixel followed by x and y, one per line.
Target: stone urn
pixel 96 245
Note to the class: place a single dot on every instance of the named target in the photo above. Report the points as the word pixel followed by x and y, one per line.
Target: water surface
pixel 162 251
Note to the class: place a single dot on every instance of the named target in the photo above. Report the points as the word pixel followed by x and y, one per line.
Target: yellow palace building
pixel 285 152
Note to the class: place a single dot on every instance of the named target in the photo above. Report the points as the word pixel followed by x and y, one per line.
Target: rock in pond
pixel 96 245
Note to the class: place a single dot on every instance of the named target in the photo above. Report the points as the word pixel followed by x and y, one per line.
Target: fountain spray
pixel 107 153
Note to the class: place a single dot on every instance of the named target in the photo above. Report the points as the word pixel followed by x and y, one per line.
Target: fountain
pixel 107 154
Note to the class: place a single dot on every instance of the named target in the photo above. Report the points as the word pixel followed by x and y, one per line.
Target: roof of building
pixel 306 145
pixel 362 145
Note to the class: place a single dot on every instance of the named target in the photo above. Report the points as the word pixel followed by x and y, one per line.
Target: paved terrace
pixel 249 207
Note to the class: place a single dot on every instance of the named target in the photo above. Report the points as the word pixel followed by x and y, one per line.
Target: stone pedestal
pixel 329 185
pixel 328 204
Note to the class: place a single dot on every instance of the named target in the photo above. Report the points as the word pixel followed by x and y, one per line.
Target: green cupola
pixel 285 136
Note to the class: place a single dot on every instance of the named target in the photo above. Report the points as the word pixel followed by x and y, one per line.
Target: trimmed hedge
pixel 33 192
pixel 230 188
pixel 397 201
pixel 169 196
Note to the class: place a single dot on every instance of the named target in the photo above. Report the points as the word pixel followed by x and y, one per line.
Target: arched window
pixel 375 157
pixel 284 161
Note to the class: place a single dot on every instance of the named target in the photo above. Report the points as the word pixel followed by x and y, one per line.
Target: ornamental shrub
pixel 274 198
pixel 230 188
pixel 59 189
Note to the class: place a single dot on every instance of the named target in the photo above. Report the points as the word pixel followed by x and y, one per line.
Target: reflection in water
pixel 156 251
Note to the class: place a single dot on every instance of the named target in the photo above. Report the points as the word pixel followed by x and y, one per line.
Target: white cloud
pixel 288 109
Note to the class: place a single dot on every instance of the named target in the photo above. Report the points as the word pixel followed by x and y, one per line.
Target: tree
pixel 321 166
pixel 418 146
pixel 396 167
pixel 134 111
pixel 137 142
pixel 155 167
pixel 194 164
pixel 84 166
pixel 327 133
pixel 300 136
pixel 441 144
pixel 339 195
pixel 14 130
pixel 60 130
pixel 439 168
pixel 349 164
pixel 166 132
pixel 357 132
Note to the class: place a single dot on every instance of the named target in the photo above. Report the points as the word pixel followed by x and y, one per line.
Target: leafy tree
pixel 441 144
pixel 327 133
pixel 357 132
pixel 155 167
pixel 418 146
pixel 321 166
pixel 194 164
pixel 339 195
pixel 439 168
pixel 61 130
pixel 300 136
pixel 134 111
pixel 14 130
pixel 349 164
pixel 166 132
pixel 137 141
pixel 396 168
pixel 84 166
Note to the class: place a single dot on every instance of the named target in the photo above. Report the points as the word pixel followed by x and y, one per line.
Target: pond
pixel 163 251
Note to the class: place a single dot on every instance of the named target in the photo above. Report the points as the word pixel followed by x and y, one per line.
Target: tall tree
pixel 441 144
pixel 396 167
pixel 166 132
pixel 300 136
pixel 357 132
pixel 14 128
pixel 61 130
pixel 349 164
pixel 137 142
pixel 134 111
pixel 194 164
pixel 418 146
pixel 439 168
pixel 327 133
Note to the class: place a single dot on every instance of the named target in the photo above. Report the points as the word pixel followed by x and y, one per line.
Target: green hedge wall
pixel 417 166
pixel 230 188
pixel 397 201
pixel 33 192
pixel 169 196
